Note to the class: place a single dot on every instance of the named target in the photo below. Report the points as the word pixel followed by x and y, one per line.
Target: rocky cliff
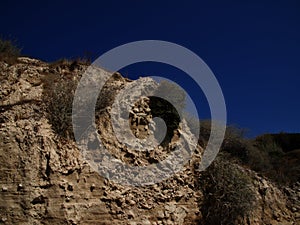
pixel 44 178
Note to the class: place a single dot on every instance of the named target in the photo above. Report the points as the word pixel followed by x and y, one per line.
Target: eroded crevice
pixel 48 168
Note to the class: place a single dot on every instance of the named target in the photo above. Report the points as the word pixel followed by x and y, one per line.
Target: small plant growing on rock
pixel 228 193
pixel 58 98
pixel 9 51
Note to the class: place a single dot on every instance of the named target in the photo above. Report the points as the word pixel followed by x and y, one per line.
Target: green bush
pixel 228 193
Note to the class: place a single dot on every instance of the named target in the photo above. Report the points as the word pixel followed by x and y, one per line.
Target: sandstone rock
pixel 4 188
pixel 160 215
pixel 130 214
pixel 146 222
pixel 46 180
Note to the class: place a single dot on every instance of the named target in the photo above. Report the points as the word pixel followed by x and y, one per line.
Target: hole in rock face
pixel 166 111
pixel 142 114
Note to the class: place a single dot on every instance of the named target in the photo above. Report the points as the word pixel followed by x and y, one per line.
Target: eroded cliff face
pixel 44 178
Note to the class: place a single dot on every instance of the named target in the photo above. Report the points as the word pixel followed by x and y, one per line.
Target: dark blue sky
pixel 252 47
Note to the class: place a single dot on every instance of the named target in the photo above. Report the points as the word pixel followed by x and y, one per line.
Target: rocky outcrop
pixel 44 179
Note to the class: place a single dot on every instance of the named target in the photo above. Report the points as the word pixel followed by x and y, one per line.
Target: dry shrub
pixel 228 193
pixel 9 51
pixel 58 98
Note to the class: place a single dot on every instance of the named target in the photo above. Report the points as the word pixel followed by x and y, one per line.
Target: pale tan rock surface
pixel 44 180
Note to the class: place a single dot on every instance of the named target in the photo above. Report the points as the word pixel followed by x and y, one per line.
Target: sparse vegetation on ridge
pixel 267 154
pixel 9 51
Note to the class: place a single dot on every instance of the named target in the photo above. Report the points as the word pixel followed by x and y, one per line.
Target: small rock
pixel 20 187
pixel 171 208
pixel 145 206
pixel 132 223
pixel 169 222
pixel 68 199
pixel 135 110
pixel 146 222
pixel 160 215
pixel 92 187
pixel 4 189
pixel 130 214
pixel 131 202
